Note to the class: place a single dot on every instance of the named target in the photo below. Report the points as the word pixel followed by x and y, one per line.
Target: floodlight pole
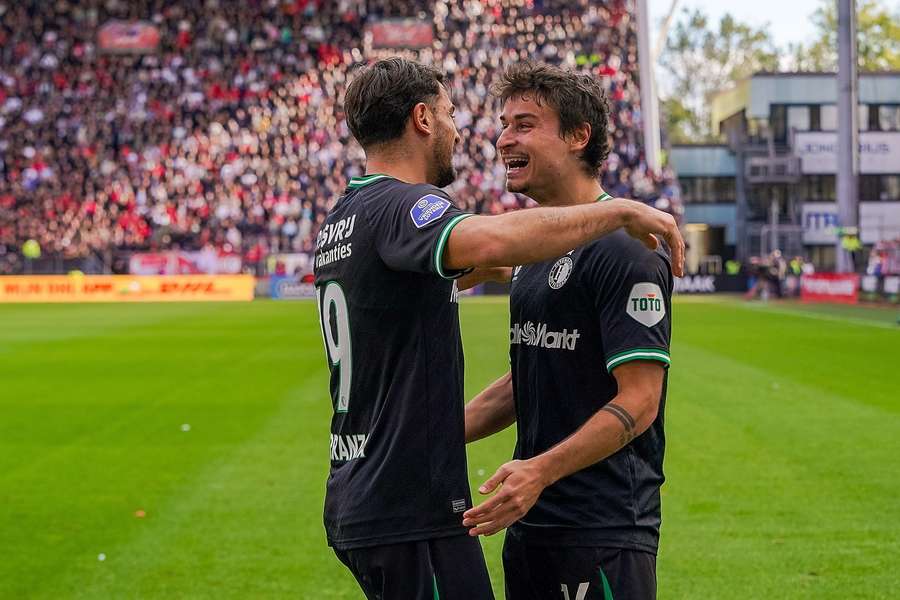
pixel 848 132
pixel 649 101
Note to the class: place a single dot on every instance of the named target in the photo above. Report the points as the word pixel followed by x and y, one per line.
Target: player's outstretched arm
pixel 625 417
pixel 537 234
pixel 491 411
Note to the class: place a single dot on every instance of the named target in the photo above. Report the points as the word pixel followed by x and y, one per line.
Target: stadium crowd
pixel 230 133
pixel 884 258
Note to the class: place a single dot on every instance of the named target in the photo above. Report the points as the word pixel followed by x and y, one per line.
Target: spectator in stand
pixel 232 135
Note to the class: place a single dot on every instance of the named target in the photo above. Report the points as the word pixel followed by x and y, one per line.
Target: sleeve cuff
pixel 442 243
pixel 655 354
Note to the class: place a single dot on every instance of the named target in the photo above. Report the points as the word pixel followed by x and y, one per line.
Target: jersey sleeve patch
pixel 646 304
pixel 428 209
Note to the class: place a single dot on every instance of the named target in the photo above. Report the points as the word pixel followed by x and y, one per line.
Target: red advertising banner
pixel 830 287
pixel 184 263
pixel 128 36
pixel 401 33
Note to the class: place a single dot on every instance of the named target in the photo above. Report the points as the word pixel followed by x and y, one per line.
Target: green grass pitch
pixel 783 457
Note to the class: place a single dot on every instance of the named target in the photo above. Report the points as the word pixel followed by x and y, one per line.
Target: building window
pixel 798 118
pixel 873 118
pixel 818 188
pixel 707 190
pixel 863 117
pixel 828 117
pixel 890 188
pixel 884 188
pixel 778 123
pixel 889 117
pixel 815 118
pixel 869 187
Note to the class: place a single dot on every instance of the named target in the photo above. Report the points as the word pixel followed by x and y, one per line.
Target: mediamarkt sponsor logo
pixel 537 335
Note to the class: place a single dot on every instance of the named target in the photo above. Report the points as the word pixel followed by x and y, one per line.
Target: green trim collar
pixel 358 182
pixel 603 196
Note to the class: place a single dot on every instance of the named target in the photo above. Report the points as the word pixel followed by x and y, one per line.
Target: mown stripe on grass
pixel 778 477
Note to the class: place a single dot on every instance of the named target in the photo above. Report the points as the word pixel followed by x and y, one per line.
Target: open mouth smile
pixel 515 164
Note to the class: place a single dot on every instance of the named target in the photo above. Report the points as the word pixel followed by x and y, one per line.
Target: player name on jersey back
pixel 390 327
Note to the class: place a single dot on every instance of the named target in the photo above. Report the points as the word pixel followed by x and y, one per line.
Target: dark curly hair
pixel 381 97
pixel 576 97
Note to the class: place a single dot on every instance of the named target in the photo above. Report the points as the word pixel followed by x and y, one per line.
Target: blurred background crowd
pixel 229 136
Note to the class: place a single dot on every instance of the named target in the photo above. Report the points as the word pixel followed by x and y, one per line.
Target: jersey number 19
pixel 337 337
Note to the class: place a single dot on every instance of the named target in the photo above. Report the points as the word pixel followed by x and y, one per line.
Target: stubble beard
pixel 445 174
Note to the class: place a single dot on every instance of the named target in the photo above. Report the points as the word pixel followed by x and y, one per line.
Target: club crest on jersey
pixel 646 304
pixel 560 272
pixel 427 209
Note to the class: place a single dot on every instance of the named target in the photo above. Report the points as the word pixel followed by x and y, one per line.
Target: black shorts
pixel 450 568
pixel 576 573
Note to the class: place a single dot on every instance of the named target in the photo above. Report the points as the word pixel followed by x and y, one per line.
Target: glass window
pixel 707 190
pixel 890 187
pixel 863 117
pixel 818 188
pixel 725 189
pixel 778 122
pixel 873 118
pixel 828 117
pixel 815 118
pixel 884 188
pixel 869 187
pixel 798 118
pixel 889 117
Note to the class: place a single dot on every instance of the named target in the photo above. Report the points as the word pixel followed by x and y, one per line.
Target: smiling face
pixel 555 129
pixel 531 148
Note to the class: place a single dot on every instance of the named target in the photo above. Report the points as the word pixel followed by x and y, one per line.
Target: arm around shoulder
pixel 538 234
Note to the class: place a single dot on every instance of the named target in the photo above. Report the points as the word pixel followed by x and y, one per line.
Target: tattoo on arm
pixel 626 419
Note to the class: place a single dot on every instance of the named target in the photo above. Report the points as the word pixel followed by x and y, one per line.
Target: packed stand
pixel 884 258
pixel 230 135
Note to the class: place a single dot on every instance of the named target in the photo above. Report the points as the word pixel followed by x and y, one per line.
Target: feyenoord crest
pixel 560 272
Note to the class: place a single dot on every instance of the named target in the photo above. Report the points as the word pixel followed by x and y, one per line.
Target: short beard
pixel 445 176
pixel 444 173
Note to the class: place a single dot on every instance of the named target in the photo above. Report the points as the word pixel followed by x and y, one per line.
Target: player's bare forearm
pixel 481 275
pixel 491 411
pixel 529 236
pixel 537 234
pixel 612 427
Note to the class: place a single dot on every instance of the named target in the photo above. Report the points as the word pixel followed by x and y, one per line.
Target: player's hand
pixel 646 223
pixel 520 482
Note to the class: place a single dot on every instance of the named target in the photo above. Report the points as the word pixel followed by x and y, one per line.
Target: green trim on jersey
pixel 442 241
pixel 437 596
pixel 358 182
pixel 603 196
pixel 656 354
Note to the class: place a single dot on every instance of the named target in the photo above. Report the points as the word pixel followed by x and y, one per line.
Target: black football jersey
pixel 573 321
pixel 390 325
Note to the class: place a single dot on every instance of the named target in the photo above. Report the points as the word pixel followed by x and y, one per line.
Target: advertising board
pixel 842 288
pixel 126 288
